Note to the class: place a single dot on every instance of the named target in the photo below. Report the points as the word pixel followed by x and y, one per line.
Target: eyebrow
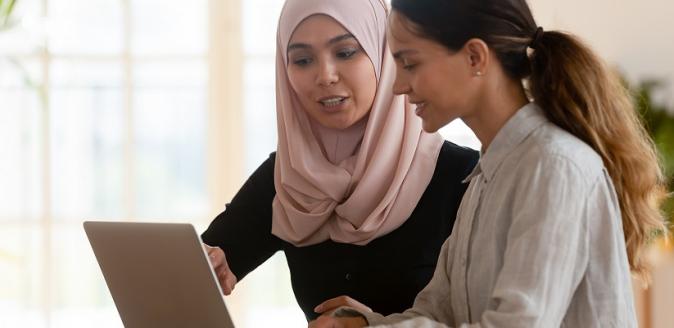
pixel 401 53
pixel 334 40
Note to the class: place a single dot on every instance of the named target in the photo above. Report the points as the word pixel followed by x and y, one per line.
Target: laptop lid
pixel 158 274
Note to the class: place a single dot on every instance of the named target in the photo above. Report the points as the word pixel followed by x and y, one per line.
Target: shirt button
pixel 347 276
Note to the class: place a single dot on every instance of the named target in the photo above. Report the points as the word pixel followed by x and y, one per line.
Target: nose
pixel 328 73
pixel 400 86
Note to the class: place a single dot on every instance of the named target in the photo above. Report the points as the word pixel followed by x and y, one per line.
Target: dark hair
pixel 572 86
pixel 507 26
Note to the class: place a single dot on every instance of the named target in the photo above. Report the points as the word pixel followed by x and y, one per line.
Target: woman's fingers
pixel 215 255
pixel 227 281
pixel 225 276
pixel 334 303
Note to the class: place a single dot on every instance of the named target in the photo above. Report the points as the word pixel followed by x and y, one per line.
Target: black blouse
pixel 385 275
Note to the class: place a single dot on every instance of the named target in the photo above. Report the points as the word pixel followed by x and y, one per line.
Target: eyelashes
pixel 302 60
pixel 406 65
pixel 347 53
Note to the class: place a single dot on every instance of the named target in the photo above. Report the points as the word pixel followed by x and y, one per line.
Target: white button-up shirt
pixel 538 240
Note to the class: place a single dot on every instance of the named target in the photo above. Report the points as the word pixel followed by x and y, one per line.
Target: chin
pixel 336 124
pixel 430 127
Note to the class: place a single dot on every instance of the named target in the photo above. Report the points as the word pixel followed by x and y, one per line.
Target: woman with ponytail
pixel 565 195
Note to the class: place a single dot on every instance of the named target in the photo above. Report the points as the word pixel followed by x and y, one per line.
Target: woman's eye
pixel 346 53
pixel 302 61
pixel 406 65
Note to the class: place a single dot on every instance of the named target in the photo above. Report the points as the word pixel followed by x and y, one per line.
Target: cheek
pixel 449 86
pixel 430 84
pixel 363 82
pixel 298 82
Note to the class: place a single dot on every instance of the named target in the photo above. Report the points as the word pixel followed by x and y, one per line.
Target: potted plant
pixel 659 122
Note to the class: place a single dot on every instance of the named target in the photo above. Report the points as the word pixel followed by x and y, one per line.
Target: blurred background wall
pixel 158 110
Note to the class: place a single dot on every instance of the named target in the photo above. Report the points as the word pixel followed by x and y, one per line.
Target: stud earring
pixel 478 73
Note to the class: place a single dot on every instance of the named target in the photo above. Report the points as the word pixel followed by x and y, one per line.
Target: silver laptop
pixel 158 275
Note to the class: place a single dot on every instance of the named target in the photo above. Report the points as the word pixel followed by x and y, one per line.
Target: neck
pixel 337 144
pixel 497 105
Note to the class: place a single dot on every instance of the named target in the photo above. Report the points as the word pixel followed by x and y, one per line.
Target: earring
pixel 478 73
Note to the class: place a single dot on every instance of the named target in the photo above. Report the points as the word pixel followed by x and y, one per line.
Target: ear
pixel 477 54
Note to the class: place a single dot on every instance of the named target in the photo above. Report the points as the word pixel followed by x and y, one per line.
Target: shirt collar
pixel 517 128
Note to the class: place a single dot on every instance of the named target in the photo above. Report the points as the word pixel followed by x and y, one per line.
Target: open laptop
pixel 158 275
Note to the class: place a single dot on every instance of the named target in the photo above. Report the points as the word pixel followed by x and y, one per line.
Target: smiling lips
pixel 333 103
pixel 420 106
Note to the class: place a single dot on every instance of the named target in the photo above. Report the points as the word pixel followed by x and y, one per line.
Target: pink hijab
pixel 353 185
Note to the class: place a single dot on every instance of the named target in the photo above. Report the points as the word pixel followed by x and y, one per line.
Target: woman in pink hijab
pixel 358 197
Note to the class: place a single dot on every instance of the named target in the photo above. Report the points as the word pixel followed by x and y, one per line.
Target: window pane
pixel 21 267
pixel 21 147
pixel 80 297
pixel 259 26
pixel 265 298
pixel 85 26
pixel 87 134
pixel 169 27
pixel 27 29
pixel 260 113
pixel 169 107
pixel 20 72
pixel 460 134
pixel 171 73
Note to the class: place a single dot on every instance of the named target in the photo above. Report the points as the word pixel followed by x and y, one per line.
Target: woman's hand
pixel 325 321
pixel 333 304
pixel 218 261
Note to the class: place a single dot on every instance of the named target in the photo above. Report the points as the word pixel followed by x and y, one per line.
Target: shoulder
pixel 456 160
pixel 271 159
pixel 452 150
pixel 559 152
pixel 267 167
pixel 260 184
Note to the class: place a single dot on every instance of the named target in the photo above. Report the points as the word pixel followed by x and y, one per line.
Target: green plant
pixel 6 8
pixel 659 122
pixel 7 23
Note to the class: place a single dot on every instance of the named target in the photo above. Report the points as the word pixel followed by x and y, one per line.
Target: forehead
pixel 317 28
pixel 397 29
pixel 402 38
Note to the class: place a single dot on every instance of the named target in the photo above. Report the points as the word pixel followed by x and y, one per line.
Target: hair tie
pixel 536 38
